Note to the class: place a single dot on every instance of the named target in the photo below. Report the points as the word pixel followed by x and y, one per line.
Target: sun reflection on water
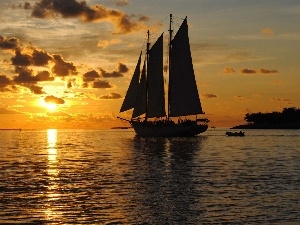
pixel 53 175
pixel 52 152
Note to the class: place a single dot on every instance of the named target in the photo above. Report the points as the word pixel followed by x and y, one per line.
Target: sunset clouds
pixel 50 9
pixel 80 56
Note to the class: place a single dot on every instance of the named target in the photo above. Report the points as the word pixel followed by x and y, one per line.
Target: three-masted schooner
pixel 146 95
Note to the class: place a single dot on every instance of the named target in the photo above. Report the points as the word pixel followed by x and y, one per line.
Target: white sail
pixel 131 94
pixel 156 95
pixel 184 97
pixel 141 97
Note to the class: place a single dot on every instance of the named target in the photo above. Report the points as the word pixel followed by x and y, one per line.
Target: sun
pixel 51 106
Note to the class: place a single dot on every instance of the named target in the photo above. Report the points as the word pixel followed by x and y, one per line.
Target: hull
pixel 170 130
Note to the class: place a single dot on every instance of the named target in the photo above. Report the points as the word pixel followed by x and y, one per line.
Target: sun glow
pixel 50 106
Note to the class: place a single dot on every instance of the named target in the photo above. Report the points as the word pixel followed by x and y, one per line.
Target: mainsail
pixel 141 97
pixel 184 98
pixel 156 95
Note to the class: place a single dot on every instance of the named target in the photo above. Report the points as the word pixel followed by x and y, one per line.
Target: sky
pixel 68 63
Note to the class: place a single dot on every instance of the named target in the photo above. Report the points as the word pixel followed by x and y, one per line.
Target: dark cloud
pixel 35 89
pixel 54 100
pixel 69 84
pixel 110 74
pixel 111 96
pixel 4 82
pixel 21 59
pixel 267 71
pixel 62 68
pixel 40 58
pixel 90 76
pixel 9 43
pixel 205 95
pixel 27 5
pixel 44 76
pixel 248 71
pixel 102 84
pixel 25 76
pixel 85 85
pixel 73 8
pixel 123 68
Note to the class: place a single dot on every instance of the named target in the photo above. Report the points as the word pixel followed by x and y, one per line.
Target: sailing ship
pixel 152 116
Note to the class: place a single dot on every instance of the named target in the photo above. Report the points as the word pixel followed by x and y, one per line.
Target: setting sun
pixel 51 106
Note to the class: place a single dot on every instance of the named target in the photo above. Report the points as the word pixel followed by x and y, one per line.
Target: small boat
pixel 151 117
pixel 240 134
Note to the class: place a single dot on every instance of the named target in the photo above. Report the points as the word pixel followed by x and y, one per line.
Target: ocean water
pixel 113 177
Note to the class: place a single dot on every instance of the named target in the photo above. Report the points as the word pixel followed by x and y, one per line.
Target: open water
pixel 113 177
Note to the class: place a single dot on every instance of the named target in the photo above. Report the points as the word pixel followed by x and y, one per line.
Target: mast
pixel 147 68
pixel 170 49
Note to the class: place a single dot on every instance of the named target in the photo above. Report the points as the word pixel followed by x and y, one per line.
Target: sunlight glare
pixel 51 106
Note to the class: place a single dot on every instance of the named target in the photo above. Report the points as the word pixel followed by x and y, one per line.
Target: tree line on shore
pixel 287 116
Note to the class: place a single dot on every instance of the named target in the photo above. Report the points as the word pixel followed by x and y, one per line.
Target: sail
pixel 140 101
pixel 131 94
pixel 156 95
pixel 184 98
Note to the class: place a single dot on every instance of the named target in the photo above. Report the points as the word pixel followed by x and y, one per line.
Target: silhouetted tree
pixel 288 115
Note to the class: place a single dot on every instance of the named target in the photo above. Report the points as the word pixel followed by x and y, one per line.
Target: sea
pixel 113 177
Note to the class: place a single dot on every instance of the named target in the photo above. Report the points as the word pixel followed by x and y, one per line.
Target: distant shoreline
pixel 268 126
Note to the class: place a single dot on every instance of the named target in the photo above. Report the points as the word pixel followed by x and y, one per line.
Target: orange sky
pixel 69 65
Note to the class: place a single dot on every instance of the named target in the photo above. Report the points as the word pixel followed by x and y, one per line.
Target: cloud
pixel 122 68
pixel 241 98
pixel 25 76
pixel 106 43
pixel 4 82
pixel 40 58
pixel 90 76
pixel 62 68
pixel 248 71
pixel 9 43
pixel 27 79
pixel 111 96
pixel 54 100
pixel 228 70
pixel 267 71
pixel 44 76
pixel 21 59
pixel 102 84
pixel 35 89
pixel 286 100
pixel 121 2
pixel 75 9
pixel 8 111
pixel 206 95
pixel 267 31
pixel 26 5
